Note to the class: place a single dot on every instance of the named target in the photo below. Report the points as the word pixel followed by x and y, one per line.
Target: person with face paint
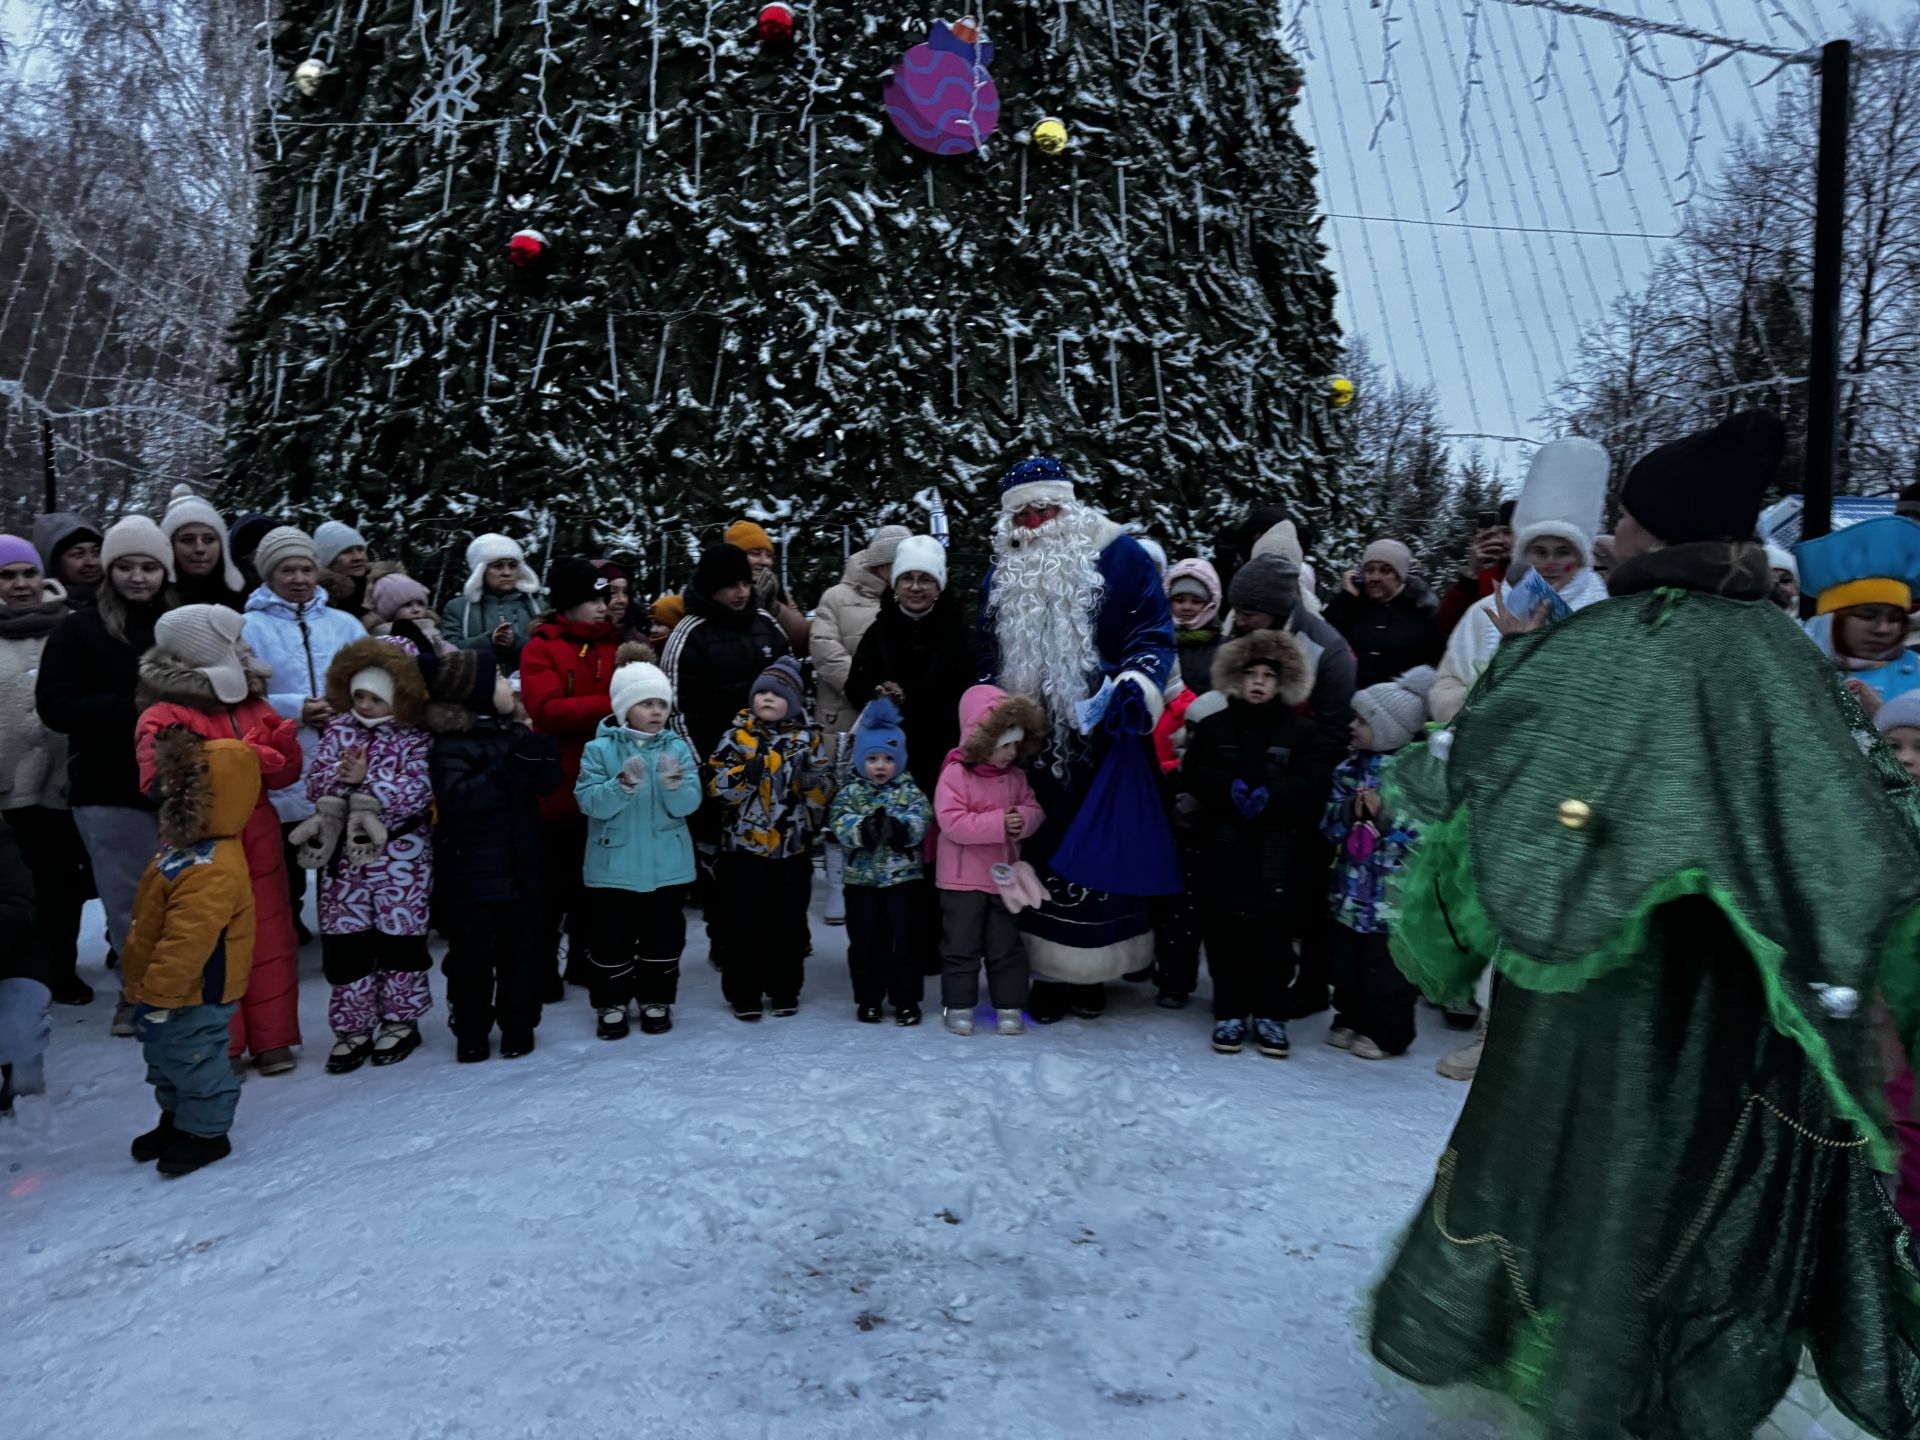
pixel 89 673
pixel 1555 521
pixel 1697 875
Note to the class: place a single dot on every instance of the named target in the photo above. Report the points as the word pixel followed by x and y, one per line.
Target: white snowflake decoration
pixel 450 98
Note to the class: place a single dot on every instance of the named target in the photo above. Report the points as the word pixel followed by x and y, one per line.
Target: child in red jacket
pixel 984 808
pixel 566 682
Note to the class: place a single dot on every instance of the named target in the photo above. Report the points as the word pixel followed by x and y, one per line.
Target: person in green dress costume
pixel 1695 870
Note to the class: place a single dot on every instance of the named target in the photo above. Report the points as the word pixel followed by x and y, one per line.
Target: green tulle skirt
pixel 1648 1209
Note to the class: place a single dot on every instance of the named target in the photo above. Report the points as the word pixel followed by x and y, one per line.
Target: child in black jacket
pixel 1258 773
pixel 489 770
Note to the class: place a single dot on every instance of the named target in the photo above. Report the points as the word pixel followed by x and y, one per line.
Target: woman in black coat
pixel 919 652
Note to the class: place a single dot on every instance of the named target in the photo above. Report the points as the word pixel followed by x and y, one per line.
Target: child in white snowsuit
pixel 1373 1002
pixel 638 784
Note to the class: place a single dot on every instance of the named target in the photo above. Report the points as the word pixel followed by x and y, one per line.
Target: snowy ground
pixel 807 1228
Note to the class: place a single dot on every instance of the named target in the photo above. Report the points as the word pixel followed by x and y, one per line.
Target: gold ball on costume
pixel 309 73
pixel 1050 136
pixel 1576 814
pixel 1340 392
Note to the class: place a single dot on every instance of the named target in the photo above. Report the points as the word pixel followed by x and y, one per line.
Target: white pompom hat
pixel 188 507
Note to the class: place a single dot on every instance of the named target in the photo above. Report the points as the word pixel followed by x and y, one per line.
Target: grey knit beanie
pixel 1268 583
pixel 1396 709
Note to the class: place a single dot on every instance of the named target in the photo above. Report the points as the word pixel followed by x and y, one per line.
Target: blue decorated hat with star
pixel 1042 480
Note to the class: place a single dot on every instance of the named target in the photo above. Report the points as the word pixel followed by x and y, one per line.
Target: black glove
pixel 873 831
pixel 898 836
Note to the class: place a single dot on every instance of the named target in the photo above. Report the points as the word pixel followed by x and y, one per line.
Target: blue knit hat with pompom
pixel 878 732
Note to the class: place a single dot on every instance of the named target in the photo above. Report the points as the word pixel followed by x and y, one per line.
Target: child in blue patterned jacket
pixel 1373 1002
pixel 880 819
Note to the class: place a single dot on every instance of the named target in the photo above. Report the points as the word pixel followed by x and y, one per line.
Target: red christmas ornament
pixel 527 248
pixel 774 28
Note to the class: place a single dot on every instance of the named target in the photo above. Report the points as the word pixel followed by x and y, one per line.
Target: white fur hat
pixel 636 681
pixel 482 551
pixel 1779 559
pixel 1562 496
pixel 1156 552
pixel 189 508
pixel 924 554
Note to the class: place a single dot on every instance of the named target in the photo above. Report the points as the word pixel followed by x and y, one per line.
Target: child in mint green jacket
pixel 881 818
pixel 638 783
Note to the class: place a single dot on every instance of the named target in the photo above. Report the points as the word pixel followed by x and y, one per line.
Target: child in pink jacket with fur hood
pixel 984 808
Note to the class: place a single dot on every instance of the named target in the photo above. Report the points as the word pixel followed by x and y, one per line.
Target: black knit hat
pixel 1709 485
pixel 574 581
pixel 720 567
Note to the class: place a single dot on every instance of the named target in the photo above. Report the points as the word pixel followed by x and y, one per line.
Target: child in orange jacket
pixel 190 946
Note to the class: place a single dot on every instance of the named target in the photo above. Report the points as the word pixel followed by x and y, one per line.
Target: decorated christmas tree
pixel 603 271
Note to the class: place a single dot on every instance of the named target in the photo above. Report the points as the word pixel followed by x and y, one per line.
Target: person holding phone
pixel 1488 555
pixel 499 605
pixel 1386 618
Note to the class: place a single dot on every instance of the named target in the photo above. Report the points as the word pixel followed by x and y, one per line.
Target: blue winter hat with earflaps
pixel 878 732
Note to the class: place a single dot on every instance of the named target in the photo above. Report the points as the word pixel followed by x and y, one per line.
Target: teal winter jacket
pixel 637 839
pixel 470 624
pixel 900 798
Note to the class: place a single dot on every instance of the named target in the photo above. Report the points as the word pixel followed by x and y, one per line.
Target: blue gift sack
pixel 1119 840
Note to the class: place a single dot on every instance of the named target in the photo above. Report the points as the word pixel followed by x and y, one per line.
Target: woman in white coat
pixel 291 629
pixel 1555 522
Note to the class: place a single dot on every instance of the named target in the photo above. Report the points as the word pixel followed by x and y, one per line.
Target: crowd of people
pixel 550 772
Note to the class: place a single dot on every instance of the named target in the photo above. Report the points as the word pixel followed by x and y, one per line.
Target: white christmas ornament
pixel 308 75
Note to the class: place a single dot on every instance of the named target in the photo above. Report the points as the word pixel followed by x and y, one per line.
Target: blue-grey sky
pixel 1541 123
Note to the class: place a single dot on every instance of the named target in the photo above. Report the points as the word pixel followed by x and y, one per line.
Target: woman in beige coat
pixel 844 614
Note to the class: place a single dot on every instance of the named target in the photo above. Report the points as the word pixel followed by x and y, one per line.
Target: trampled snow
pixel 804 1228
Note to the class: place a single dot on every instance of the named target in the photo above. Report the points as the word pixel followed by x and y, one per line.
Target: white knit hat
pixel 185 508
pixel 1396 709
pixel 636 681
pixel 482 551
pixel 277 547
pixel 1562 496
pixel 333 537
pixel 375 680
pixel 924 554
pixel 207 639
pixel 136 535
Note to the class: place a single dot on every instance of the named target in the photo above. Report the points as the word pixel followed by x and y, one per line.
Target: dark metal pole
pixel 1829 242
pixel 52 466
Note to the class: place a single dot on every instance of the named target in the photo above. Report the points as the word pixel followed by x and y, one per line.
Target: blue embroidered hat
pixel 1042 480
pixel 1876 562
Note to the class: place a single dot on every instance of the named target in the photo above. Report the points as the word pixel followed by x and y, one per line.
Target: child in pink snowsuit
pixel 984 808
pixel 373 832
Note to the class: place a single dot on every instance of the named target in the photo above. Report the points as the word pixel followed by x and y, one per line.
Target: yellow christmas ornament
pixel 1050 136
pixel 1341 392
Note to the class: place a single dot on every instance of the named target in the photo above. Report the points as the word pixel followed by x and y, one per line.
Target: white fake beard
pixel 1047 648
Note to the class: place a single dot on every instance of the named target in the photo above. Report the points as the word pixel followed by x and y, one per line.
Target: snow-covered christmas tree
pixel 619 268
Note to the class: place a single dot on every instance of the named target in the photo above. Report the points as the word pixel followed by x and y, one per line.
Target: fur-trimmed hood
pixel 988 712
pixel 1273 648
pixel 208 788
pixel 394 657
pixel 166 679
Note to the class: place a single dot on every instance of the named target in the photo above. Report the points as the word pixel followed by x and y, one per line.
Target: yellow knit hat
pixel 748 536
